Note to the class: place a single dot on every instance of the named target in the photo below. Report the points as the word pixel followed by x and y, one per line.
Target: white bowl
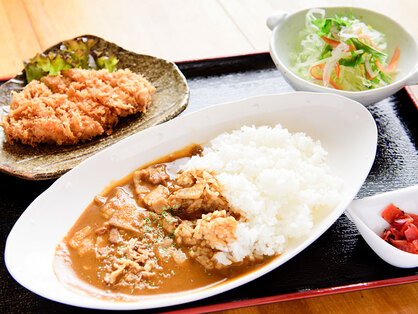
pixel 284 37
pixel 344 127
pixel 366 214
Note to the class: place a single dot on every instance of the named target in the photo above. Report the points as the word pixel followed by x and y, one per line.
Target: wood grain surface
pixel 178 31
pixel 394 299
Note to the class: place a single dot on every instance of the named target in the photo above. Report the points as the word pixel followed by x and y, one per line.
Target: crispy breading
pixel 75 105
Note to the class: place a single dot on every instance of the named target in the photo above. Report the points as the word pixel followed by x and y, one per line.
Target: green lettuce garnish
pixel 74 53
pixel 108 63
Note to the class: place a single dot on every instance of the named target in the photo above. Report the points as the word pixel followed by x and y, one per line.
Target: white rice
pixel 275 179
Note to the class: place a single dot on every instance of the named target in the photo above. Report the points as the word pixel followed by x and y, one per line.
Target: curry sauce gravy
pixel 84 273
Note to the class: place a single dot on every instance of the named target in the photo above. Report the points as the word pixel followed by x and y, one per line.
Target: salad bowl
pixel 285 40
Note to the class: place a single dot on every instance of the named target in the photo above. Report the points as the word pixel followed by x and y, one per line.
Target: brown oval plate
pixel 47 161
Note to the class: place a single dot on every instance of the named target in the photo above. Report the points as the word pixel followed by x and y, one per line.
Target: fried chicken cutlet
pixel 74 106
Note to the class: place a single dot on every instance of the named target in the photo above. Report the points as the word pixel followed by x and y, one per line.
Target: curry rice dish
pixel 198 217
pixel 74 106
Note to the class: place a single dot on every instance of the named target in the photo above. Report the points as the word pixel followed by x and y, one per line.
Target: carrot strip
pixel 337 69
pixel 334 84
pixel 369 40
pixel 393 64
pixel 362 70
pixel 334 43
pixel 320 77
pixel 380 66
pixel 368 76
pixel 313 68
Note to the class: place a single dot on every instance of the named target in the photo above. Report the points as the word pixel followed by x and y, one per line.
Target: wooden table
pixel 395 299
pixel 189 30
pixel 178 31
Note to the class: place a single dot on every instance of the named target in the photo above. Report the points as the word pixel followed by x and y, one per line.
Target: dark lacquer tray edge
pixel 287 296
pixel 411 92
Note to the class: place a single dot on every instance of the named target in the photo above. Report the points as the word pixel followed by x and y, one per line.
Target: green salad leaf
pixel 74 53
pixel 324 25
pixel 326 52
pixel 357 58
pixel 108 63
pixel 381 56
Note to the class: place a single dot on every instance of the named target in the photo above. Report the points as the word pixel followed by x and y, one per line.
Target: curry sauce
pixel 159 230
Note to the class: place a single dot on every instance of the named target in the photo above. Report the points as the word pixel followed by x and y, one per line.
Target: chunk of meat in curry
pixel 159 224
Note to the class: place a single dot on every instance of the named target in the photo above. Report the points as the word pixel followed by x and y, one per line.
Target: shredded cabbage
pixel 349 53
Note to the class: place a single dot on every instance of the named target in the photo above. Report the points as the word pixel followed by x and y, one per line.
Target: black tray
pixel 339 258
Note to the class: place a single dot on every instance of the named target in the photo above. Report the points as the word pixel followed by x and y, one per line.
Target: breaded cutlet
pixel 74 106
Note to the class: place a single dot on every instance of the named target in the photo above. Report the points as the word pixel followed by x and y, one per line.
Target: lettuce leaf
pixel 357 58
pixel 324 25
pixel 108 63
pixel 381 56
pixel 74 53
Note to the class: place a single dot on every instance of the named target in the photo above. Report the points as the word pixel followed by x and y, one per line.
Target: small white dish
pixel 344 127
pixel 286 27
pixel 366 214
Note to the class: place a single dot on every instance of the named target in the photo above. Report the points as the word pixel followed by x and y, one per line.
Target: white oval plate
pixel 344 127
